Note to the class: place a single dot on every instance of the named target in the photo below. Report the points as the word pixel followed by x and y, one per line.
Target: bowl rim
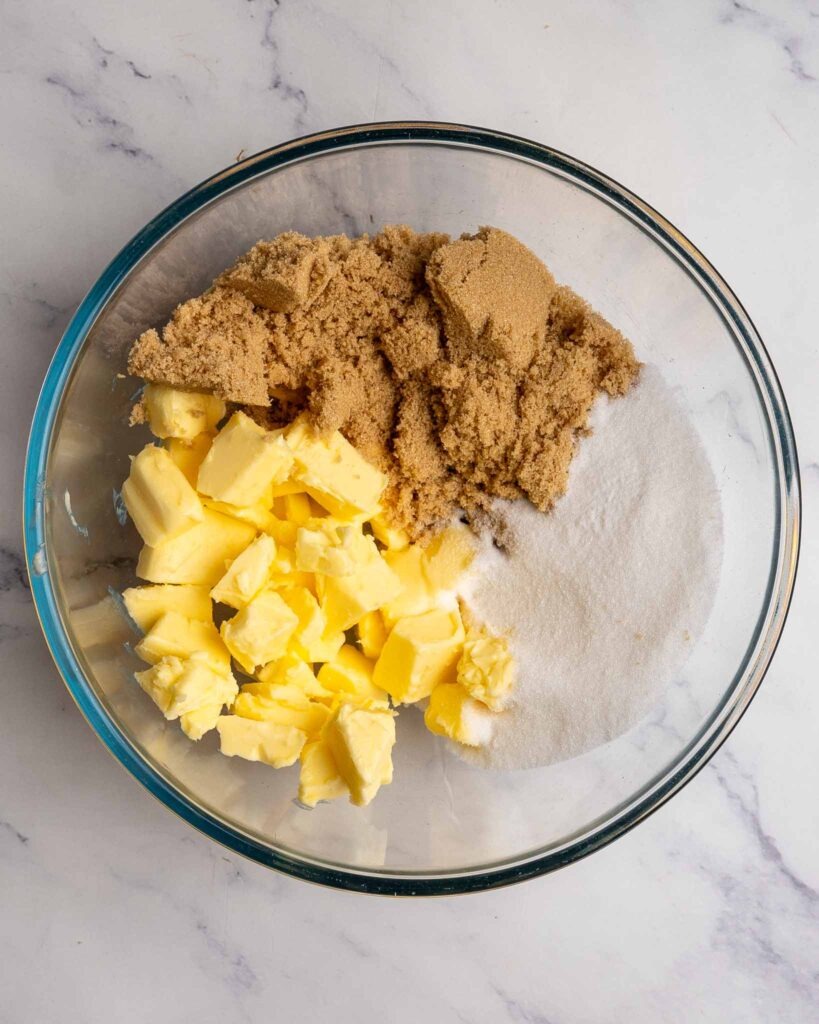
pixel 737 696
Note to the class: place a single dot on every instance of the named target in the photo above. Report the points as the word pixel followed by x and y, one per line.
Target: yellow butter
pixel 449 555
pixel 259 633
pixel 372 634
pixel 486 668
pixel 181 414
pixel 189 455
pixel 307 638
pixel 269 742
pixel 420 653
pixel 296 508
pixel 147 604
pixel 345 599
pixel 259 516
pixel 416 595
pixel 243 461
pixel 394 538
pixel 453 713
pixel 173 635
pixel 160 501
pixel 291 671
pixel 361 742
pixel 247 573
pixel 333 472
pixel 350 674
pixel 329 550
pixel 196 723
pixel 199 555
pixel 319 778
pixel 307 715
pixel 179 686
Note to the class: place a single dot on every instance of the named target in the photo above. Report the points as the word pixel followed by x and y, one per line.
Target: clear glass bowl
pixel 442 826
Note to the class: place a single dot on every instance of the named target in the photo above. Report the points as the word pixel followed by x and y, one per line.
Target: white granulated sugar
pixel 606 595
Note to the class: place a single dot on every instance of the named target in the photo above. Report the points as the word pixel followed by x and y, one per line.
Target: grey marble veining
pixel 114 909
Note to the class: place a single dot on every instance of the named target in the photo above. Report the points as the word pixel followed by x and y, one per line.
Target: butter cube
pixel 296 508
pixel 258 515
pixel 178 686
pixel 334 473
pixel 416 595
pixel 182 414
pixel 172 635
pixel 453 713
pixel 372 634
pixel 361 742
pixel 420 653
pixel 290 706
pixel 147 604
pixel 196 723
pixel 486 669
pixel 307 638
pixel 350 675
pixel 319 778
pixel 189 455
pixel 198 555
pixel 243 461
pixel 345 599
pixel 159 499
pixel 260 631
pixel 269 742
pixel 247 573
pixel 394 538
pixel 292 671
pixel 449 555
pixel 329 551
pixel 328 646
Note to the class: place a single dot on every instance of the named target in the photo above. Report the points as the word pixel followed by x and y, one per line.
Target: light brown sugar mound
pixel 459 367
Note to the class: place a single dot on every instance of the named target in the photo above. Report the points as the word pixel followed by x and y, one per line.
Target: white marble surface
pixel 112 909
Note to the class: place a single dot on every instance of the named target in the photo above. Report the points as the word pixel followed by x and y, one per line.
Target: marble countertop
pixel 110 907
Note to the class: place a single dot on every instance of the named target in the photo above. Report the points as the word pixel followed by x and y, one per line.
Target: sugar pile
pixel 606 595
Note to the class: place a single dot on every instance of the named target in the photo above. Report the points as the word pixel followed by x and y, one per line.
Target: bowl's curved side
pixel 780 434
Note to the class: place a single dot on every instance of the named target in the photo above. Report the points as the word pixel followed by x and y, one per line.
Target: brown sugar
pixel 460 368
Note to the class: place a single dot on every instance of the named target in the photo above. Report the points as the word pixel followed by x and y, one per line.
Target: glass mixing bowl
pixel 442 826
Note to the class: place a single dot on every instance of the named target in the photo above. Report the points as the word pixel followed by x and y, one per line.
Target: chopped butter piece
pixel 247 573
pixel 147 604
pixel 189 455
pixel 394 538
pixel 319 778
pixel 173 635
pixel 292 671
pixel 260 631
pixel 307 715
pixel 307 638
pixel 416 595
pixel 196 723
pixel 181 414
pixel 448 556
pixel 274 744
pixel 350 675
pixel 334 473
pixel 453 713
pixel 259 516
pixel 486 668
pixel 361 742
pixel 159 499
pixel 371 584
pixel 372 634
pixel 420 653
pixel 329 550
pixel 243 461
pixel 296 508
pixel 198 555
pixel 179 686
